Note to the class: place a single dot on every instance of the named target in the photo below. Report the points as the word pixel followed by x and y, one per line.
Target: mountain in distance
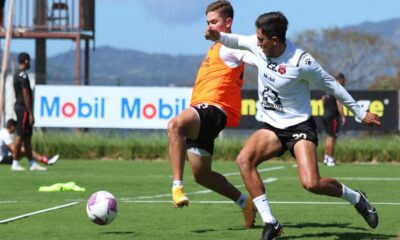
pixel 111 66
pixel 389 29
pixel 123 67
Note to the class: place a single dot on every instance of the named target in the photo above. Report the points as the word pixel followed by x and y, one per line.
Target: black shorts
pixel 212 121
pixel 289 136
pixel 7 159
pixel 24 129
pixel 331 125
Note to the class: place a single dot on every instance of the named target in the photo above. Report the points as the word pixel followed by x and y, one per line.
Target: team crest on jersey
pixel 307 61
pixel 282 69
pixel 22 74
pixel 271 100
pixel 206 62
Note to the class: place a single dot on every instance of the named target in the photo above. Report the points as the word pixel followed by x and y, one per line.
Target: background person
pixel 25 120
pixel 332 119
pixel 7 146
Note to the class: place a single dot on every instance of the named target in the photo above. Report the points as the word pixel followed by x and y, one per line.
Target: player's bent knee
pixel 173 127
pixel 312 186
pixel 243 160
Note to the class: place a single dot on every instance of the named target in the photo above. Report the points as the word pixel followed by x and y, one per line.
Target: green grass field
pixel 145 211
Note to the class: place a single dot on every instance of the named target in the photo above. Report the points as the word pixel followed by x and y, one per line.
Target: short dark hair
pixel 22 57
pixel 273 24
pixel 223 7
pixel 11 123
pixel 340 76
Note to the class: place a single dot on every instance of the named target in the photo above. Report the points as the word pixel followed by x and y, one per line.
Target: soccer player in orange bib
pixel 215 104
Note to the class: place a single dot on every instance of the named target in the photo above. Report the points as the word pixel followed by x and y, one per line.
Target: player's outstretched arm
pixel 212 34
pixel 371 119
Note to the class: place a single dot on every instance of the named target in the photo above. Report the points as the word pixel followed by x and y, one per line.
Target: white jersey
pixel 283 83
pixel 5 140
pixel 233 58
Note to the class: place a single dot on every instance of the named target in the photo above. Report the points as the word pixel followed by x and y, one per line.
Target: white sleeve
pixel 234 57
pixel 237 41
pixel 315 74
pixel 250 58
pixel 7 139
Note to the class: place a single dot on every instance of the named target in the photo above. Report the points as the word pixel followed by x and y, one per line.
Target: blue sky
pixel 177 26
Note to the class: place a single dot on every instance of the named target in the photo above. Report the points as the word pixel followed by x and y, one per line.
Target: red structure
pixel 41 20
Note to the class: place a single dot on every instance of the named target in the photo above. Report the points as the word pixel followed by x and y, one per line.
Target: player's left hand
pixel 343 120
pixel 371 119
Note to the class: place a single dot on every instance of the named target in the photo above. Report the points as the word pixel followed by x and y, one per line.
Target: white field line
pixel 37 212
pixel 260 170
pixel 272 202
pixel 205 191
pixel 368 179
pixel 268 180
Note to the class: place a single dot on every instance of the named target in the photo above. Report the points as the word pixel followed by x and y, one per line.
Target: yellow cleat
pixel 249 213
pixel 178 197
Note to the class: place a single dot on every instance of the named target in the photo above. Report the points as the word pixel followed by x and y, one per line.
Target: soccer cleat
pixel 367 211
pixel 178 197
pixel 330 163
pixel 37 167
pixel 53 160
pixel 271 231
pixel 17 168
pixel 249 213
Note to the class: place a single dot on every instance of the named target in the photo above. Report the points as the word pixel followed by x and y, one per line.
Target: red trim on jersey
pixel 335 125
pixel 24 120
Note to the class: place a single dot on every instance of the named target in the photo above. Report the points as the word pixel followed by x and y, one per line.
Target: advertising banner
pixel 108 107
pixel 382 103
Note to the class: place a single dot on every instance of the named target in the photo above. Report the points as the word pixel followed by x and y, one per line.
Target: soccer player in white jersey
pixel 284 75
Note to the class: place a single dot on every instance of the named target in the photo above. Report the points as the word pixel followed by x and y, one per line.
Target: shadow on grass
pixel 342 236
pixel 323 225
pixel 226 229
pixel 119 233
pixel 348 232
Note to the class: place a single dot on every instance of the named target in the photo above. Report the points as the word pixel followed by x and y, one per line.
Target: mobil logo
pixel 160 109
pixel 88 107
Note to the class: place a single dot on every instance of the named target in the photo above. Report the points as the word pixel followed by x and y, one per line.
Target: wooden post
pixel 40 61
pixel 40 44
pixel 5 60
pixel 78 60
pixel 87 61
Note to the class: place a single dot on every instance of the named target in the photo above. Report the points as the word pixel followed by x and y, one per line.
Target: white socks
pixel 15 163
pixel 32 162
pixel 177 183
pixel 263 208
pixel 350 195
pixel 241 202
pixel 328 158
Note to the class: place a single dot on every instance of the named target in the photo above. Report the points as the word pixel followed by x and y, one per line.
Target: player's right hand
pixel 371 119
pixel 212 34
pixel 31 120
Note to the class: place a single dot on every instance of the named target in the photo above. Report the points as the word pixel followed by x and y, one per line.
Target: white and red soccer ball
pixel 101 208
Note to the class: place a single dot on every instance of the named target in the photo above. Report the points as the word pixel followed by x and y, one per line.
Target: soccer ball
pixel 101 208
